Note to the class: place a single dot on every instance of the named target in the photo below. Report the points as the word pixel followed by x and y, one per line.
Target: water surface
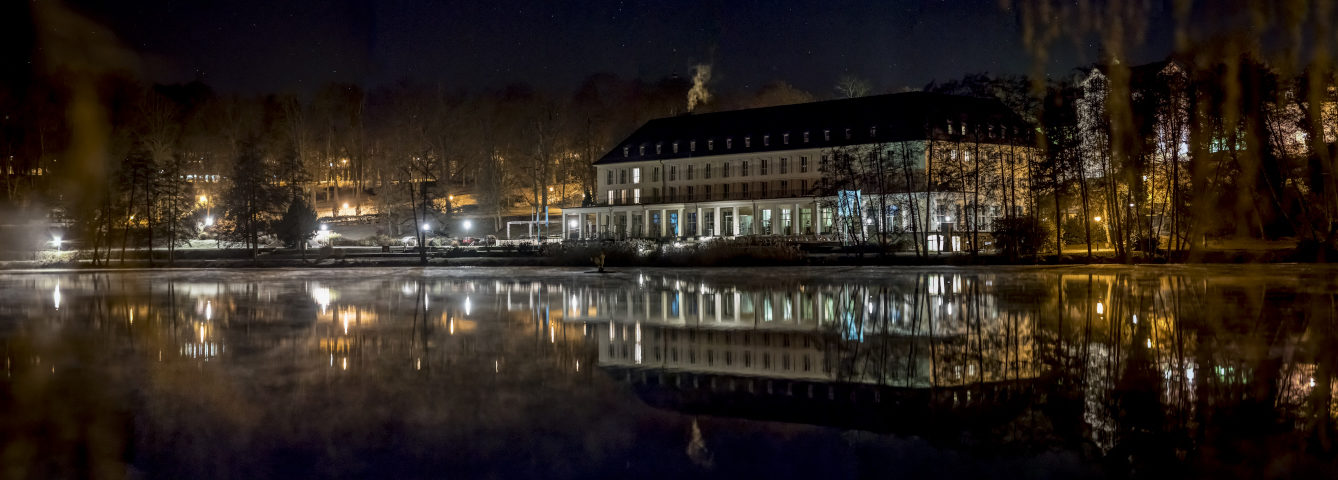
pixel 561 373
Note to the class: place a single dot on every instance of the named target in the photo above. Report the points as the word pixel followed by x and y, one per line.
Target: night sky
pixel 267 46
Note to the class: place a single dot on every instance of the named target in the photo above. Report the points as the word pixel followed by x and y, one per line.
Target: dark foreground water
pixel 820 373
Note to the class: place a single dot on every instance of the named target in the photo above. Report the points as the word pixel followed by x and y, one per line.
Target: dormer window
pixel 950 127
pixel 626 151
pixel 675 147
pixel 710 145
pixel 766 140
pixel 826 134
pixel 692 145
pixel 991 130
pixel 747 142
pixel 805 136
pixel 785 139
pixel 847 134
pixel 873 131
pixel 641 150
pixel 658 147
pixel 729 143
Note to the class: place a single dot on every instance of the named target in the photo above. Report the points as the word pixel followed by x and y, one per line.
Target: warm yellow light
pixel 204 199
pixel 345 204
pixel 1096 218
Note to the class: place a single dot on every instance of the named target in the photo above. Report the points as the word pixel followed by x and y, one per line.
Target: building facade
pixel 841 169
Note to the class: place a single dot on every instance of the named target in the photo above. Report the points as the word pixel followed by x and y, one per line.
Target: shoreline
pixel 270 260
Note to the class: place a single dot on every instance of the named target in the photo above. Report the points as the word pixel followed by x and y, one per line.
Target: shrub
pixel 298 223
pixel 1019 236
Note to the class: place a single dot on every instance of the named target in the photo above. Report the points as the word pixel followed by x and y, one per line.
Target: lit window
pixel 610 196
pixel 636 195
pixel 636 175
pixel 675 147
pixel 785 139
pixel 626 151
pixel 641 150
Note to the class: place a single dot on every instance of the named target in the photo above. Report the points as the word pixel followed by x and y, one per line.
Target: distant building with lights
pixel 896 164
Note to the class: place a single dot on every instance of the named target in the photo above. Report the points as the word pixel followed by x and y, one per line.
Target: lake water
pixel 743 373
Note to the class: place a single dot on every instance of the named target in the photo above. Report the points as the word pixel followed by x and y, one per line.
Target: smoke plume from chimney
pixel 698 95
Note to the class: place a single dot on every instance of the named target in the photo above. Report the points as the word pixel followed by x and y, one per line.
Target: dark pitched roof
pixel 896 117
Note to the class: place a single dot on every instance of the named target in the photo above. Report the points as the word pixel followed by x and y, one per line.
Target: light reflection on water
pixel 391 373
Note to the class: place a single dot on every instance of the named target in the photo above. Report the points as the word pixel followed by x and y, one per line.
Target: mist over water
pixel 1107 371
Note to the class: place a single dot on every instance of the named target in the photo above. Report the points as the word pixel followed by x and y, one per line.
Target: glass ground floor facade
pixel 840 218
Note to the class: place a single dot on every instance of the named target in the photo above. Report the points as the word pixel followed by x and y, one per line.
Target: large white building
pixel 899 163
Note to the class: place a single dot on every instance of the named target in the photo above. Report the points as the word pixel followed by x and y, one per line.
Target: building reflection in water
pixel 1125 360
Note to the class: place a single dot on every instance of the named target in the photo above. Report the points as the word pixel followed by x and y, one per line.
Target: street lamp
pixel 1096 218
pixel 56 240
pixel 425 227
pixel 468 224
pixel 208 211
